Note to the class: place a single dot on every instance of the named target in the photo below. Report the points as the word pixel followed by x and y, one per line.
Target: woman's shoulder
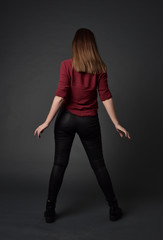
pixel 67 61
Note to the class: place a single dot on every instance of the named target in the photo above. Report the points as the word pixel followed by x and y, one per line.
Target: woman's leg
pixel 64 135
pixel 88 129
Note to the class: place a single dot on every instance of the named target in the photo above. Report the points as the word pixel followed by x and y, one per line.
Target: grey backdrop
pixel 35 37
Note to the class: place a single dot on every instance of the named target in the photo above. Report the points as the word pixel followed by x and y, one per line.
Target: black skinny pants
pixel 88 129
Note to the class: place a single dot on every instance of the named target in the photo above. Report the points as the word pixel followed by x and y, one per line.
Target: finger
pixel 127 133
pixel 124 132
pixel 121 134
pixel 36 131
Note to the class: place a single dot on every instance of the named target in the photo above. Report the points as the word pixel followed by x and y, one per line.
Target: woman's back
pixel 80 89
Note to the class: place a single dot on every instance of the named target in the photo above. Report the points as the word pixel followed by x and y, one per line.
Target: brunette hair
pixel 85 54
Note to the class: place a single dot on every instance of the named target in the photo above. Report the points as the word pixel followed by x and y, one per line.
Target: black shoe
pixel 50 214
pixel 115 213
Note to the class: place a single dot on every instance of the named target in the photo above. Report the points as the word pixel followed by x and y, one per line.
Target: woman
pixel 80 77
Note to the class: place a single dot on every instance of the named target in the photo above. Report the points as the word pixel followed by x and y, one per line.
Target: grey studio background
pixel 35 37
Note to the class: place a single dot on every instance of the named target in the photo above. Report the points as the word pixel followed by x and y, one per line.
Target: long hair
pixel 85 54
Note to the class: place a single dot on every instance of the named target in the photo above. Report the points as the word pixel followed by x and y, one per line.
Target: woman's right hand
pixel 40 129
pixel 122 130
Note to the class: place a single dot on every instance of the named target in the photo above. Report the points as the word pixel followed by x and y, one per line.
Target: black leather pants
pixel 88 129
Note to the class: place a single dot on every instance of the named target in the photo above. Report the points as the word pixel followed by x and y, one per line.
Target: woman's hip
pixel 68 121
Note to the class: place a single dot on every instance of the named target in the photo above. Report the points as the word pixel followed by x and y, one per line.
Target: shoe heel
pixel 115 213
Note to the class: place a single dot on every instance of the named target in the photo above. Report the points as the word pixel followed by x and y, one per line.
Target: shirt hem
pixel 80 113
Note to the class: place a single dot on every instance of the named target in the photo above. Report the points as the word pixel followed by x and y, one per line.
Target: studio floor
pixel 80 215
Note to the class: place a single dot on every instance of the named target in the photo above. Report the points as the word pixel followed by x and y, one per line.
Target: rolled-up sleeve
pixel 64 82
pixel 103 88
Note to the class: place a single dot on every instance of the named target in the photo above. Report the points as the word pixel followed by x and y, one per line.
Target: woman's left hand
pixel 40 129
pixel 122 130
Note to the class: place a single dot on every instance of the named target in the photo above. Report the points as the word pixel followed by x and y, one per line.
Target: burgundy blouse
pixel 80 89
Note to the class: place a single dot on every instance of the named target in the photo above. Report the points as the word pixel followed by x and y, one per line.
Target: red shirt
pixel 80 89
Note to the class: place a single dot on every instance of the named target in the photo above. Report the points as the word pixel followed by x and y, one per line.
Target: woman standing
pixel 76 98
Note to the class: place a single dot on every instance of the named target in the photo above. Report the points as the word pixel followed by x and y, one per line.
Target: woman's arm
pixel 60 95
pixel 109 106
pixel 56 104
